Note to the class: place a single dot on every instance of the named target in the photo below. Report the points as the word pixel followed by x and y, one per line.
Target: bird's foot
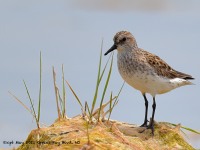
pixel 151 126
pixel 145 124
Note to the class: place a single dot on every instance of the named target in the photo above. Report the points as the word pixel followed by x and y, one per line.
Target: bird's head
pixel 123 40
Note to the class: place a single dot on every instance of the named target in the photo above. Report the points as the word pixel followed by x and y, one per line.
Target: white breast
pixel 153 84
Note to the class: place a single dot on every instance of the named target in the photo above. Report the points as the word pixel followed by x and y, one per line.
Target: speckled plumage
pixel 144 71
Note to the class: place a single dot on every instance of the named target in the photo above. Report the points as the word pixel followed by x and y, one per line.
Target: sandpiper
pixel 145 72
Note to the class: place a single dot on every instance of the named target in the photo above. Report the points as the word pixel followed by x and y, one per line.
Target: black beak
pixel 111 49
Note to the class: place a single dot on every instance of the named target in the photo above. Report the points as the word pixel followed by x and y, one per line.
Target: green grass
pixel 75 95
pixel 97 82
pixel 32 106
pixel 115 102
pixel 186 128
pixel 87 109
pixel 64 93
pixel 40 88
pixel 32 110
pixel 105 86
pixel 101 72
pixel 36 116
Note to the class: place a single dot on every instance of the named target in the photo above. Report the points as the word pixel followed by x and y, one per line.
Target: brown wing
pixel 162 68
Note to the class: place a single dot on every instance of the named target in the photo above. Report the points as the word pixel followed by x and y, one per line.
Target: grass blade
pixel 104 69
pixel 56 93
pixel 116 101
pixel 60 101
pixel 21 103
pixel 40 89
pixel 105 87
pixel 98 81
pixel 75 95
pixel 88 135
pixel 110 106
pixel 86 105
pixel 186 128
pixel 34 114
pixel 191 130
pixel 64 93
pixel 119 92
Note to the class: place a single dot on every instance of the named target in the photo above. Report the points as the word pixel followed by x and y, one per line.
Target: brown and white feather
pixel 162 68
pixel 145 71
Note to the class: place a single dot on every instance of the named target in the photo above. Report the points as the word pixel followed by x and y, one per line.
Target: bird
pixel 145 72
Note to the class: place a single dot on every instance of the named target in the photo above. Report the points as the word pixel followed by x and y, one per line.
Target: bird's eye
pixel 124 39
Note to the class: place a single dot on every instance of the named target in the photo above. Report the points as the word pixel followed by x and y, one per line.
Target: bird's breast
pixel 130 66
pixel 133 72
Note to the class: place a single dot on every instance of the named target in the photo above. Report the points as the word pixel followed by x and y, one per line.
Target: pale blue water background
pixel 70 33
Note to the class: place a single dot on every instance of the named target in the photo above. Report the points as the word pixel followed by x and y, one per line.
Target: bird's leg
pixel 146 112
pixel 151 125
